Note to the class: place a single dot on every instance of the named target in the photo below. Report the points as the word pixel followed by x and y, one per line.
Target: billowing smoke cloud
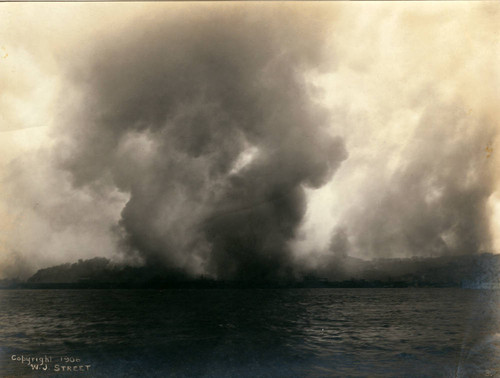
pixel 210 126
pixel 421 130
pixel 248 140
pixel 434 202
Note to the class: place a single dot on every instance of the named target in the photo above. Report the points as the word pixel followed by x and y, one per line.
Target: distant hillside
pixel 101 270
pixel 470 271
pixel 464 270
pixel 98 268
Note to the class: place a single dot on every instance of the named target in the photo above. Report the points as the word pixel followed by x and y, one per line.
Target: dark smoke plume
pixel 208 122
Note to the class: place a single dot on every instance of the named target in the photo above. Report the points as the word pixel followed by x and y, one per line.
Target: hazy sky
pixel 246 139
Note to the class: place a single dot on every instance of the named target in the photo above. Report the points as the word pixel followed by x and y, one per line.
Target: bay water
pixel 439 332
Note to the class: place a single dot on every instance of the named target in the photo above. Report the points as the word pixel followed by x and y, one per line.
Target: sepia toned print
pixel 249 189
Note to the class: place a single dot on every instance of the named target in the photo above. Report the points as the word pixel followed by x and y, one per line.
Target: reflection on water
pixel 296 332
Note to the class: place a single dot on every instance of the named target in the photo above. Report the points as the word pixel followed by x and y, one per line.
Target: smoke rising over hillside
pixel 435 202
pixel 170 111
pixel 253 141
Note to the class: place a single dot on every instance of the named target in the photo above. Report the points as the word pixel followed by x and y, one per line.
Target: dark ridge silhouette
pixel 466 271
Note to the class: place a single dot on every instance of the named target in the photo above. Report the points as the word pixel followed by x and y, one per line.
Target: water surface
pixel 250 333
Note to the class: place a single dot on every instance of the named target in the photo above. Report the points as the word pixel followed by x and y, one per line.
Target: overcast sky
pixel 246 139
